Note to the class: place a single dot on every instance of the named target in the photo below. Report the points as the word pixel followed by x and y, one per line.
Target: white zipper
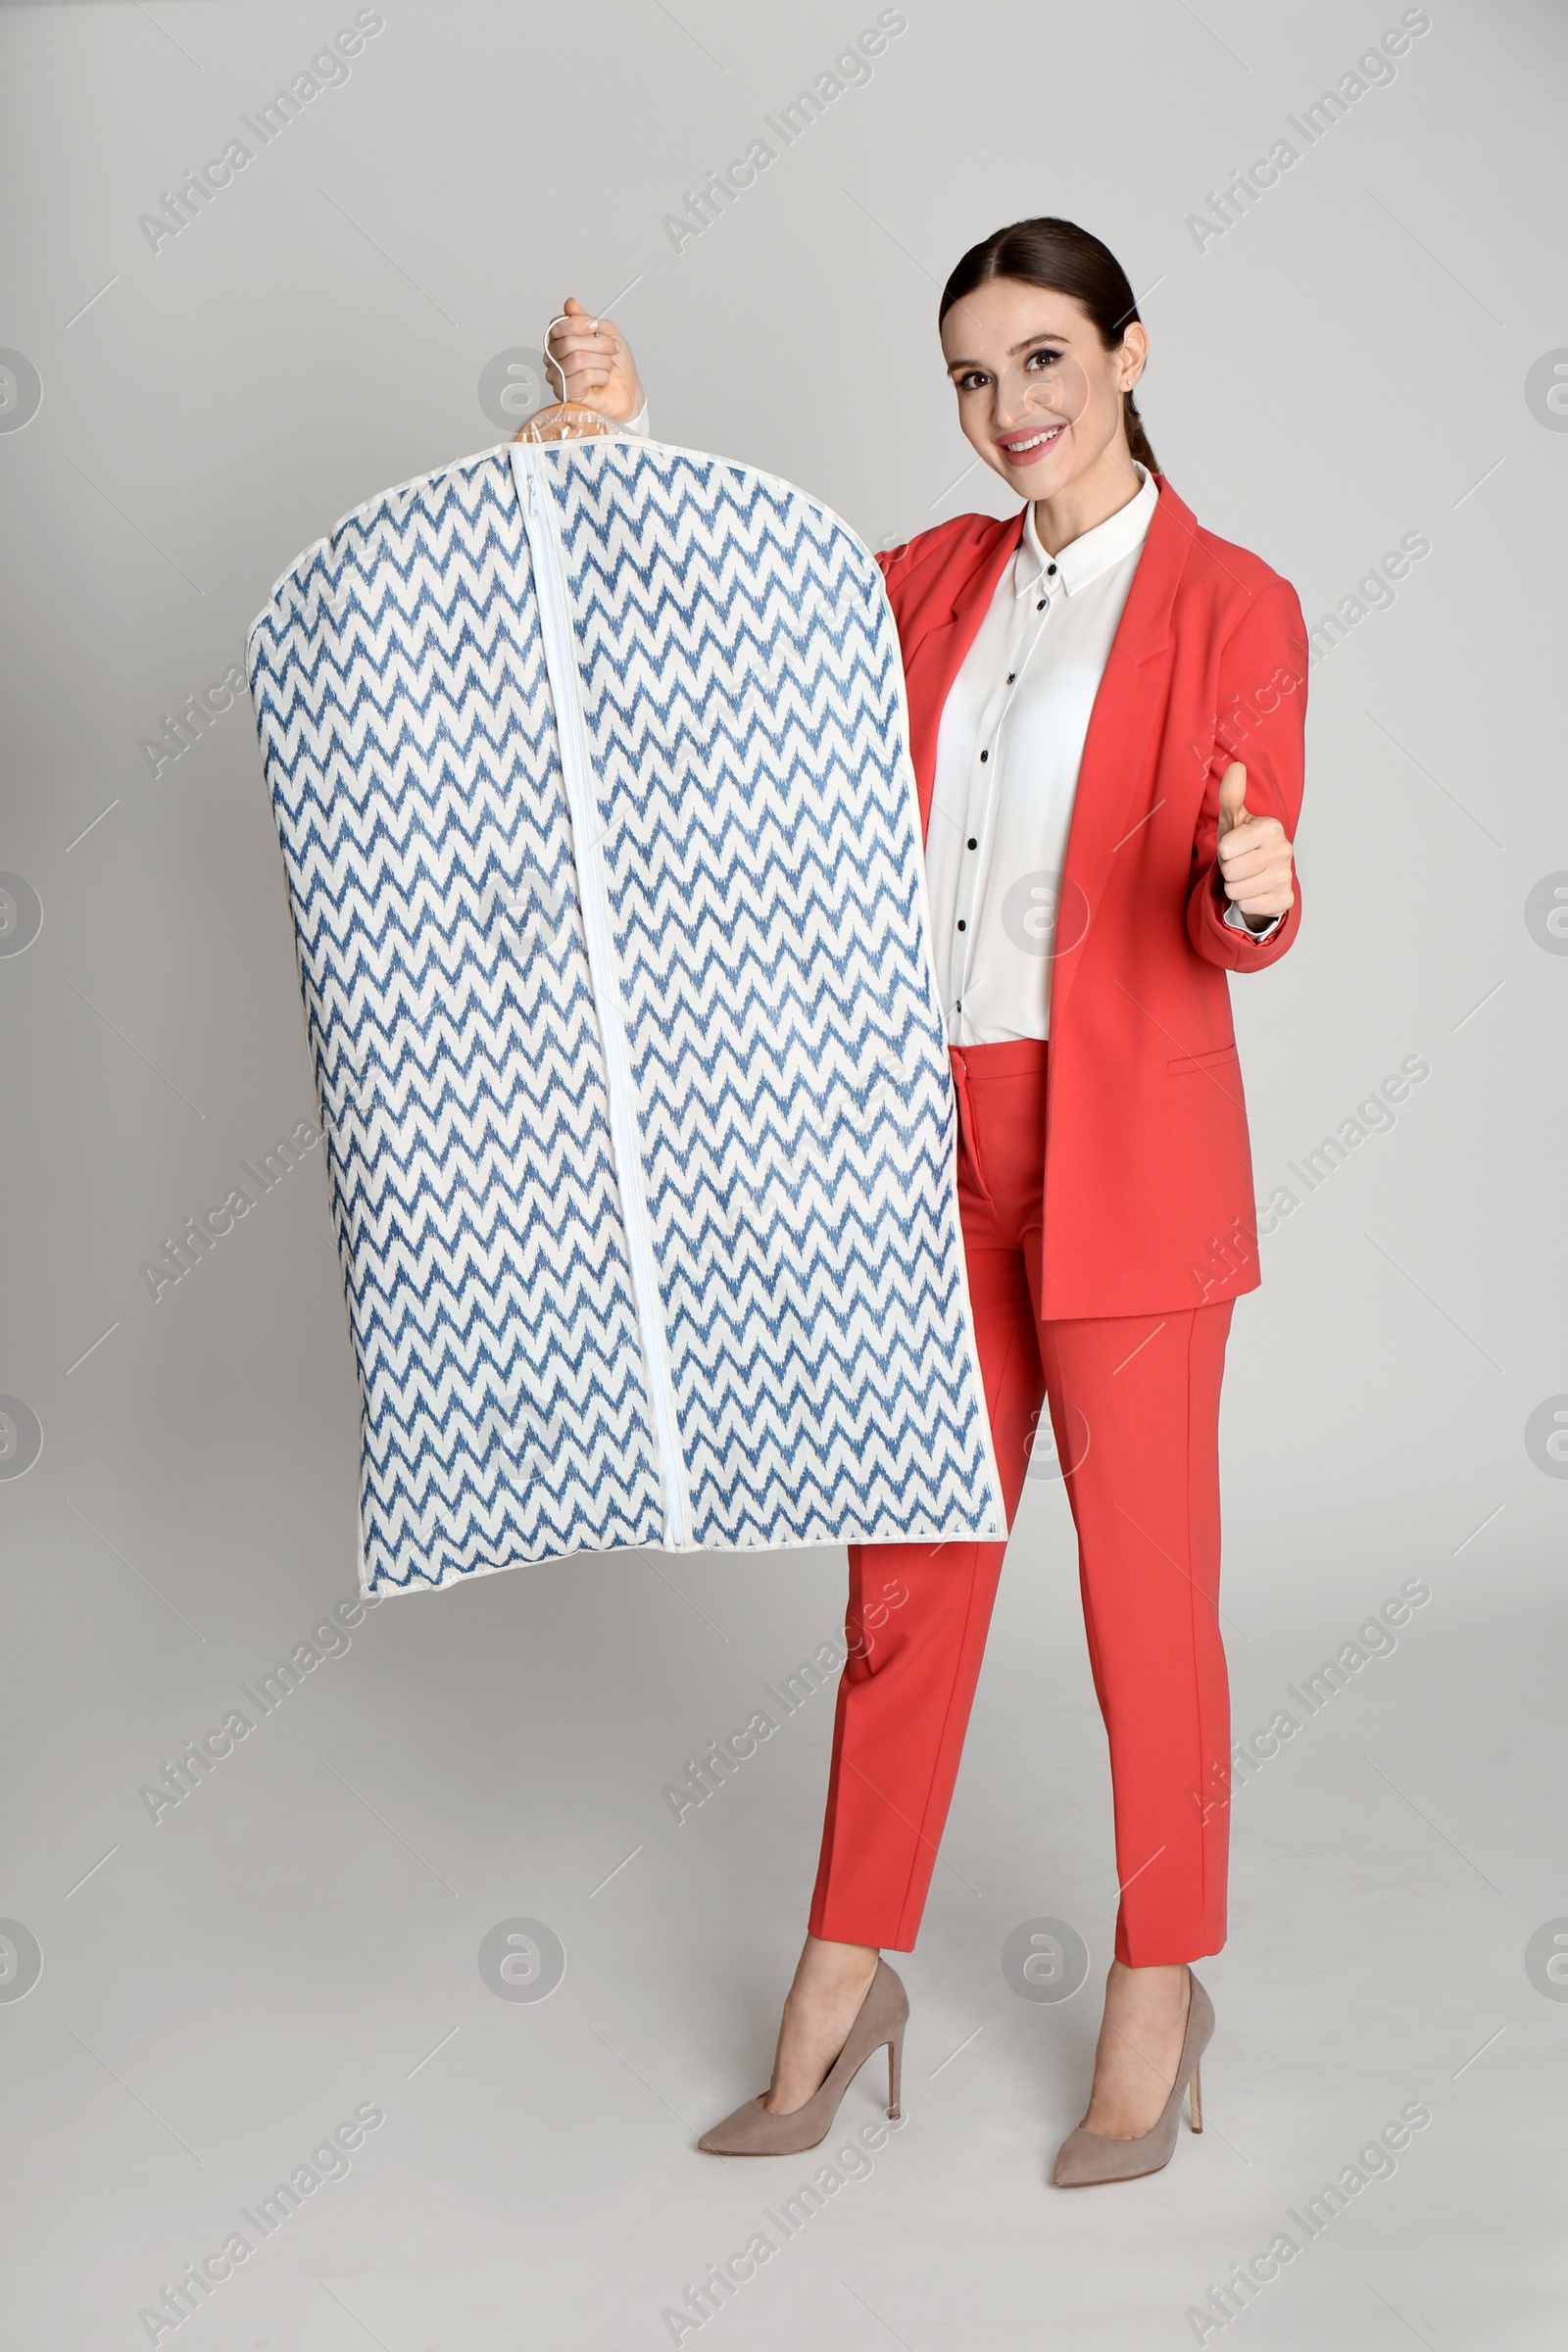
pixel 562 664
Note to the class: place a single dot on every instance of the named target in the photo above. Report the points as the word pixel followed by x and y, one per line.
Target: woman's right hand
pixel 596 361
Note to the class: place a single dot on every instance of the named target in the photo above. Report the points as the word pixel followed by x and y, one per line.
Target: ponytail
pixel 1136 438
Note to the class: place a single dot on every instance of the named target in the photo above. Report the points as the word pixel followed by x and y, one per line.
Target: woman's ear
pixel 1133 354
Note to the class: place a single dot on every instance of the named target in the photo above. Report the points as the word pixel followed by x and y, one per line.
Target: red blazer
pixel 1148 1173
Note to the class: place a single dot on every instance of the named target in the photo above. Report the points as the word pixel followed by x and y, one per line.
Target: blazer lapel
pixel 1113 774
pixel 934 647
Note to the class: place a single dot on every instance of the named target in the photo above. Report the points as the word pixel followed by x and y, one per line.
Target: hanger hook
pixel 564 420
pixel 550 358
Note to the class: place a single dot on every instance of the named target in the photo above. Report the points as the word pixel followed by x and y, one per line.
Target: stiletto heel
pixel 752 2132
pixel 1085 2157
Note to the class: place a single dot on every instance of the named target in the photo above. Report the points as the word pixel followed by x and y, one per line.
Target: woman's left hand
pixel 1256 863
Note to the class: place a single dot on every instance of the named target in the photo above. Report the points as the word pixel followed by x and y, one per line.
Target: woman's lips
pixel 1027 449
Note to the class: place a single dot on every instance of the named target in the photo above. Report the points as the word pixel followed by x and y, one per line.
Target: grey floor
pixel 300 1937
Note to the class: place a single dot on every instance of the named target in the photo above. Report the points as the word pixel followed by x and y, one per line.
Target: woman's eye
pixel 1047 358
pixel 973 380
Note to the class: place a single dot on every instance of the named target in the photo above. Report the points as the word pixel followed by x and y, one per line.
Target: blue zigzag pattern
pixel 740 699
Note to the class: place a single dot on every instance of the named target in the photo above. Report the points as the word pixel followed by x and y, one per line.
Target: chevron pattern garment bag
pixel 589 764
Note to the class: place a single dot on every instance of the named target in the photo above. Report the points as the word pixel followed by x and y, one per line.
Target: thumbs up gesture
pixel 1256 863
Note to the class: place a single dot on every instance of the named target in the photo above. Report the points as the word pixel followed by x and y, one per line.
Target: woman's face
pixel 1038 395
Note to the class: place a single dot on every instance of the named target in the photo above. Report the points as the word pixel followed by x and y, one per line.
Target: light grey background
pixel 1345 364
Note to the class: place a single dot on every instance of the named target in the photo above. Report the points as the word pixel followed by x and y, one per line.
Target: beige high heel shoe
pixel 752 2132
pixel 1087 2156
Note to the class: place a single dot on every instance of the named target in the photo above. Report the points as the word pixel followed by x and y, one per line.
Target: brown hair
pixel 1065 259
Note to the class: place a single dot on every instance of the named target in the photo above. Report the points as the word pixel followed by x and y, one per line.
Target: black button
pixel 972 843
pixel 1011 674
pixel 1040 607
pixel 962 925
pixel 1050 571
pixel 984 756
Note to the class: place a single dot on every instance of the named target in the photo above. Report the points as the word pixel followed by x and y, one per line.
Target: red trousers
pixel 1134 1407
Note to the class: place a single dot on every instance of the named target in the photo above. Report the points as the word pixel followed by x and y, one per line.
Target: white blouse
pixel 1008 754
pixel 1008 749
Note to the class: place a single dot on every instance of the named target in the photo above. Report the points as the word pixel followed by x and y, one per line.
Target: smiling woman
pixel 1098 861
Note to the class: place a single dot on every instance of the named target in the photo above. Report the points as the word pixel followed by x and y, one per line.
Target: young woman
pixel 1081 678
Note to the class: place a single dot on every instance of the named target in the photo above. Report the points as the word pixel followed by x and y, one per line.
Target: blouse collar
pixel 1084 559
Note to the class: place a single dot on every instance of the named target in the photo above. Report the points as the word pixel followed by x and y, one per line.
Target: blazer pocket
pixel 1212 1061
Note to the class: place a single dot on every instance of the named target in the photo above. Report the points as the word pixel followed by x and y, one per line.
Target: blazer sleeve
pixel 1262 712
